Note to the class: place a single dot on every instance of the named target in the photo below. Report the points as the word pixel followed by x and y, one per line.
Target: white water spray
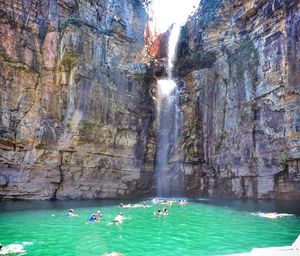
pixel 172 48
pixel 169 175
pixel 168 182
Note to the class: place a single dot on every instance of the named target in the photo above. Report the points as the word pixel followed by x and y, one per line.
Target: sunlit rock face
pixel 75 109
pixel 76 114
pixel 241 107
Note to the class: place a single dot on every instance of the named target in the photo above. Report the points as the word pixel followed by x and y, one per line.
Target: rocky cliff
pixel 75 107
pixel 239 60
pixel 77 116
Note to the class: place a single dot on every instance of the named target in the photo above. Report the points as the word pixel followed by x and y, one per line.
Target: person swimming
pixel 165 202
pixel 158 212
pixel 113 254
pixel 165 211
pixel 272 215
pixel 93 218
pixel 118 219
pixel 12 249
pixel 71 213
pixel 182 202
pixel 143 205
pixel 125 205
pixel 98 215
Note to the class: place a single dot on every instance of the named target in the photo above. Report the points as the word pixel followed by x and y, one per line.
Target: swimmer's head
pixel 1 245
pixel 121 205
pixel 121 214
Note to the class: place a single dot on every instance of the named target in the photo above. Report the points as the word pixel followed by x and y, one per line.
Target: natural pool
pixel 198 228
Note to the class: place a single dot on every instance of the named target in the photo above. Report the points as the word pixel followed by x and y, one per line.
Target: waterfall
pixel 169 172
pixel 172 47
pixel 169 182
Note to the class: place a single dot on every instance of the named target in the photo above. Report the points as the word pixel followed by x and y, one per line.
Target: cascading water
pixel 168 169
pixel 169 182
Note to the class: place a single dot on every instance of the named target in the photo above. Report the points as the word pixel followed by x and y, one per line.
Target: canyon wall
pixel 239 60
pixel 77 112
pixel 75 104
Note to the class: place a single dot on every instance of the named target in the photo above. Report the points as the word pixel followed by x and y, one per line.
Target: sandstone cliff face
pixel 75 108
pixel 241 131
pixel 76 114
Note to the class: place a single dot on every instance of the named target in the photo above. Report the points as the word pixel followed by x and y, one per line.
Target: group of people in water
pixel 168 202
pixel 143 205
pixel 96 217
pixel 163 212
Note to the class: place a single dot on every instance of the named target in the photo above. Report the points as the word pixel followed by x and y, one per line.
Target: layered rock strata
pixel 240 64
pixel 75 107
pixel 76 112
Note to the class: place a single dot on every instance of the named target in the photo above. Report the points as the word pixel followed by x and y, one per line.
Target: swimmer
pixel 113 254
pixel 132 206
pixel 165 202
pixel 12 249
pixel 182 202
pixel 155 201
pixel 145 205
pixel 71 213
pixel 159 201
pixel 118 219
pixel 98 215
pixel 93 218
pixel 125 206
pixel 158 213
pixel 273 215
pixel 165 212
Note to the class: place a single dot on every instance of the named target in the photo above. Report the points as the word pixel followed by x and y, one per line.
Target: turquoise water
pixel 198 228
